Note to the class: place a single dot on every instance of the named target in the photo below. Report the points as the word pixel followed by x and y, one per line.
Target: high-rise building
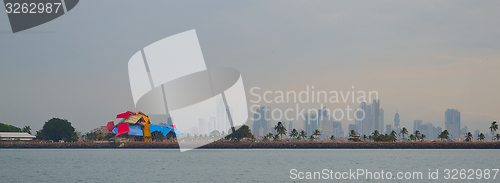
pixel 376 115
pixel 396 120
pixel 388 129
pixel 337 129
pixel 373 118
pixel 325 123
pixel 310 123
pixel 290 126
pixel 261 121
pixel 452 121
pixel 416 125
pixel 381 121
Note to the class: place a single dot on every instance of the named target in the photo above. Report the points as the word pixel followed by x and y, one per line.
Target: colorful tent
pixel 122 128
pixel 138 124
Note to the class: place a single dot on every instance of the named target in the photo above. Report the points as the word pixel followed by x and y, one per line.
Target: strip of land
pixel 263 145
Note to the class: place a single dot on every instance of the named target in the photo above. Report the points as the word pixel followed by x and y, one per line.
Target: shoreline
pixel 257 145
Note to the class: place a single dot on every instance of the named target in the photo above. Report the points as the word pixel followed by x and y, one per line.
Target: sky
pixel 422 57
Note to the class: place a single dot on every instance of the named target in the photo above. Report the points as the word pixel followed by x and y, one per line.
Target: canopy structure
pixel 16 136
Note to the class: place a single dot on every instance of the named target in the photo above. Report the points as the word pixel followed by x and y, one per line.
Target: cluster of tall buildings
pixel 261 123
pixel 427 129
pixel 219 122
pixel 323 122
pixel 373 118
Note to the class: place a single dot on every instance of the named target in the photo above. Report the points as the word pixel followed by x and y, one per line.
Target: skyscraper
pixel 310 123
pixel 376 115
pixel 416 125
pixel 381 121
pixel 261 121
pixel 452 121
pixel 396 120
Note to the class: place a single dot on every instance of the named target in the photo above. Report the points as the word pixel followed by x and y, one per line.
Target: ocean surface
pixel 251 165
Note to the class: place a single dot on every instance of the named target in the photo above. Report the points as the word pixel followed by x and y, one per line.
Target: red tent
pixel 122 128
pixel 110 126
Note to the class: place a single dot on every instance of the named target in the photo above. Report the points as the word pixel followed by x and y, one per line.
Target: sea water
pixel 247 165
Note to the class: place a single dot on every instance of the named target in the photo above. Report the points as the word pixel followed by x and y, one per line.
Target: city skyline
pixel 421 57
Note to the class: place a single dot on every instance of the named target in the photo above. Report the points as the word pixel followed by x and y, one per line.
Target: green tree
pixel 243 132
pixel 353 136
pixel 497 137
pixel 417 135
pixel 302 134
pixel 444 135
pixel 276 138
pixel 480 137
pixel 403 132
pixel 214 135
pixel 9 128
pixel 280 129
pixel 57 129
pixel 316 133
pixel 294 133
pixel 493 128
pixel 469 137
pixel 332 138
pixel 311 138
pixel 422 137
pixel 157 136
pixel 412 137
pixel 27 129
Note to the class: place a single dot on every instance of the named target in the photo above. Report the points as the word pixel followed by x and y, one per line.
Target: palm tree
pixel 294 133
pixel 365 137
pixel 469 137
pixel 353 133
pixel 412 137
pixel 332 138
pixel 497 136
pixel 280 129
pixel 317 133
pixel 422 137
pixel 417 134
pixel 480 137
pixel 311 138
pixel 393 136
pixel 276 138
pixel 376 133
pixel 493 128
pixel 403 132
pixel 302 134
pixel 444 135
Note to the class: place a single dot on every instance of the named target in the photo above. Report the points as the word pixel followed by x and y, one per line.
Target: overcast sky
pixel 422 57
